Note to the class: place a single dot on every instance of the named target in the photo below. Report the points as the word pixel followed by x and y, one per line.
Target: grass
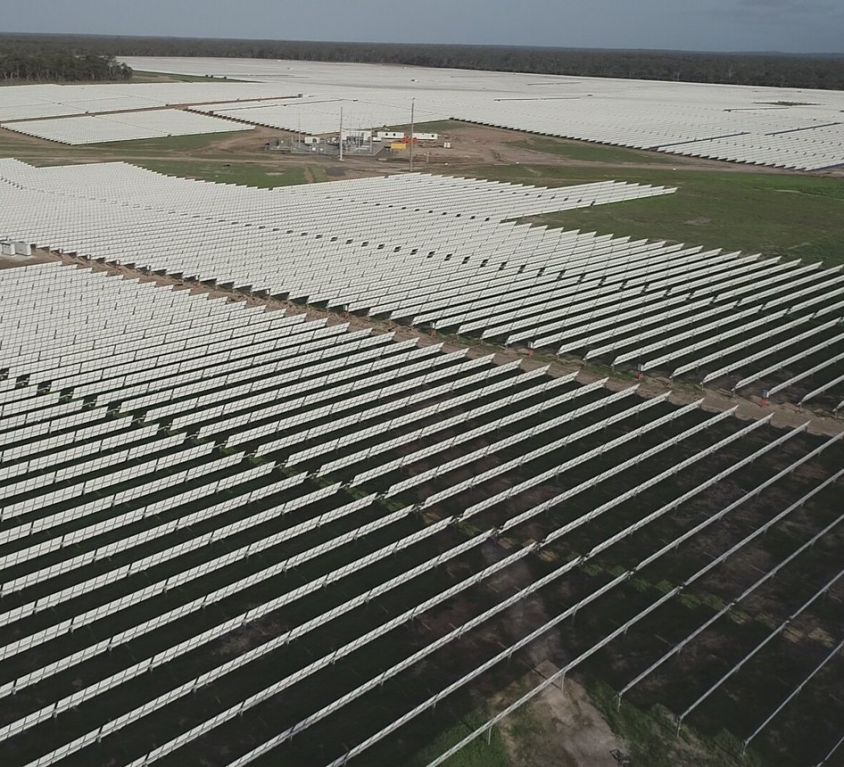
pixel 225 173
pixel 319 174
pixel 650 737
pixel 179 144
pixel 16 144
pixel 141 76
pixel 434 126
pixel 478 753
pixel 775 214
pixel 28 148
pixel 584 152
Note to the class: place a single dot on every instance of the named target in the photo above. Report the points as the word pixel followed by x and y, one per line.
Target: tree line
pixel 781 70
pixel 49 65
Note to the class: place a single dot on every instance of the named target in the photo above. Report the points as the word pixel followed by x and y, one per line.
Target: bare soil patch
pixel 559 727
pixel 37 257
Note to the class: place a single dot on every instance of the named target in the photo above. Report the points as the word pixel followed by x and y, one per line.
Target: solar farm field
pixel 125 126
pixel 443 253
pixel 98 113
pixel 775 127
pixel 19 103
pixel 235 536
pixel 785 128
pixel 420 468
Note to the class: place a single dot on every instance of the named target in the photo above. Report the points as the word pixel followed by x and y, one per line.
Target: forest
pixel 28 64
pixel 780 70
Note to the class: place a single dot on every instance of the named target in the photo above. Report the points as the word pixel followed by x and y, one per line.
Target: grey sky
pixel 762 25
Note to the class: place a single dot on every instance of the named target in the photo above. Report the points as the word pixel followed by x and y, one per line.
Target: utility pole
pixel 341 134
pixel 412 111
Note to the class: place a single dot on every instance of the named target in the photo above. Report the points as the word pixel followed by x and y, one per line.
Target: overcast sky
pixel 745 25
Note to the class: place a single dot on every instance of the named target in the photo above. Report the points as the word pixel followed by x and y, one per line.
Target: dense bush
pixel 19 63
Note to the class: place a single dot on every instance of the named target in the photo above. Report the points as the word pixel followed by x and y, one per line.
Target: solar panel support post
pixel 412 125
pixel 341 134
pixel 561 683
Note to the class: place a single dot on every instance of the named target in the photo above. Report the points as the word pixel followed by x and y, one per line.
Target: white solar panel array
pixel 96 113
pixel 202 496
pixel 782 127
pixel 727 136
pixel 798 148
pixel 319 115
pixel 439 252
pixel 123 126
pixel 28 102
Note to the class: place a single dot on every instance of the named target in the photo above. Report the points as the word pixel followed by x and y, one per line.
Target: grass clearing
pixel 650 735
pixel 178 144
pixel 141 76
pixel 775 214
pixel 433 126
pixel 226 173
pixel 584 152
pixel 478 753
pixel 30 149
